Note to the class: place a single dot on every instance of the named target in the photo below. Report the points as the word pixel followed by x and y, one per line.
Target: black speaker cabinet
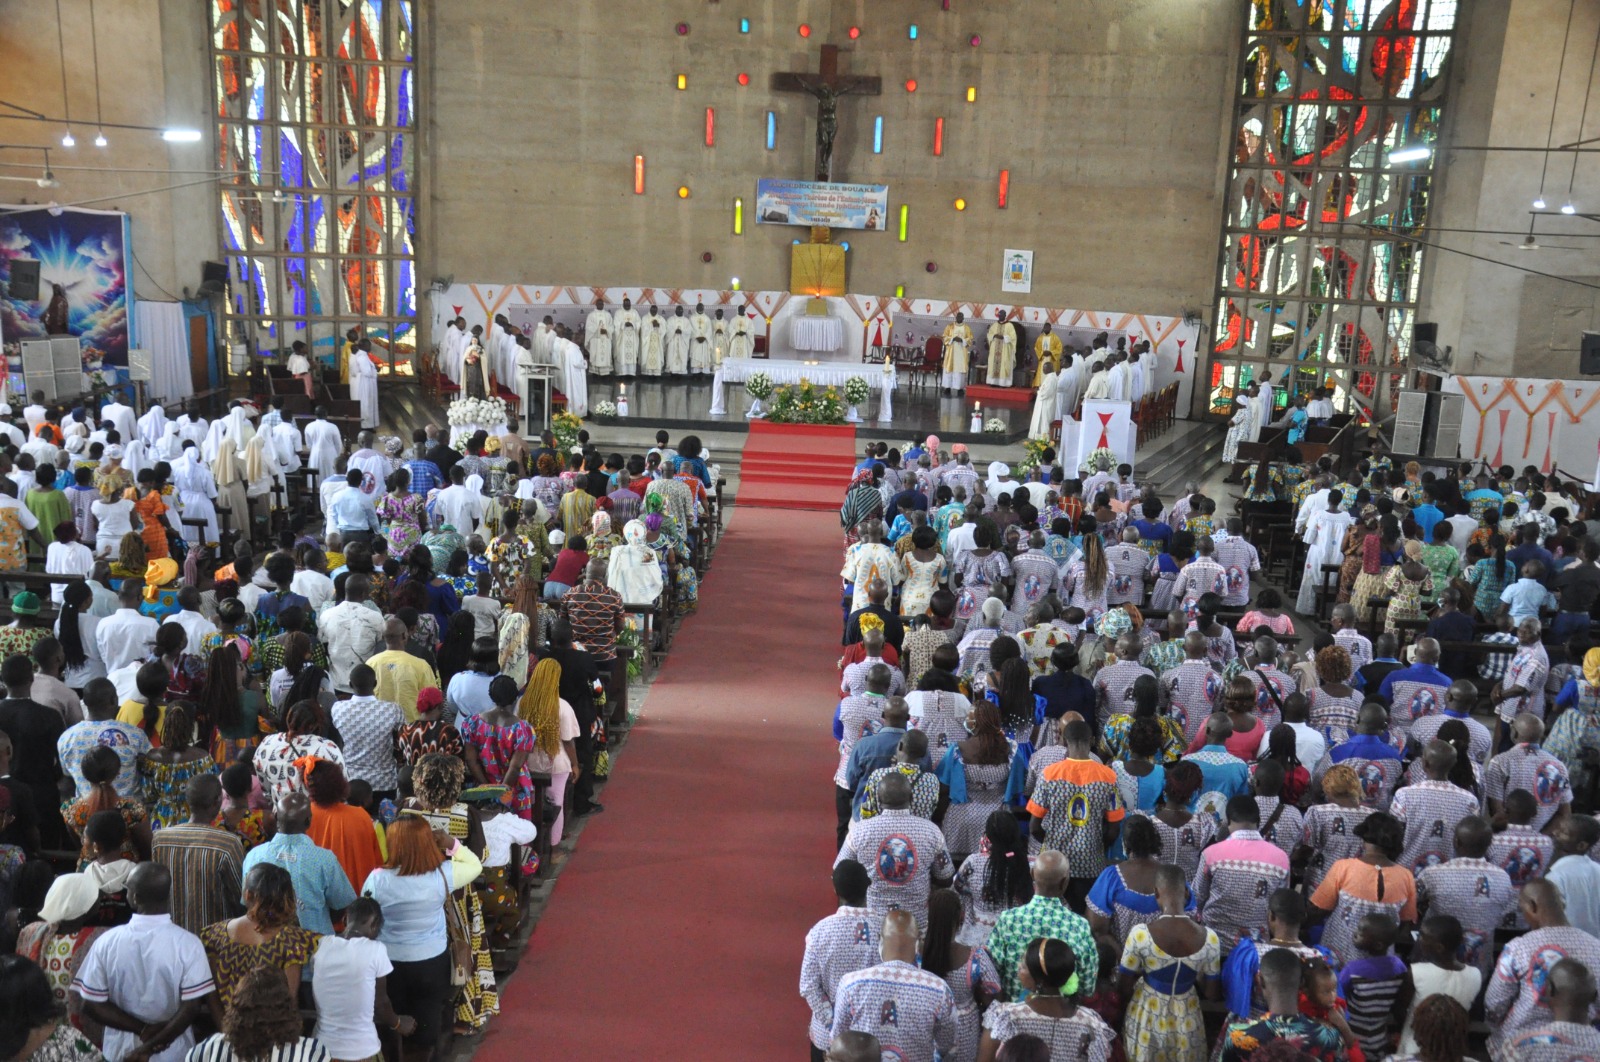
pixel 24 279
pixel 1588 354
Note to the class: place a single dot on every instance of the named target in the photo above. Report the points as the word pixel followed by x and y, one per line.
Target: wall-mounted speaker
pixel 24 283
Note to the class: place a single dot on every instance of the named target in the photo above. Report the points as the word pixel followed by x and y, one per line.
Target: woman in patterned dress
pixel 60 939
pixel 1164 960
pixel 431 732
pixel 1578 727
pixel 1489 577
pixel 926 571
pixel 665 535
pixel 1087 578
pixel 437 780
pixel 497 745
pixel 100 767
pixel 1368 883
pixel 512 556
pixel 1332 706
pixel 1165 568
pixel 164 772
pixel 602 537
pixel 266 935
pixel 1379 554
pixel 976 770
pixel 966 968
pixel 1183 833
pixel 994 879
pixel 1353 550
pixel 1408 583
pixel 275 756
pixel 401 514
pixel 1125 894
pixel 1329 832
pixel 39 1030
pixel 1049 971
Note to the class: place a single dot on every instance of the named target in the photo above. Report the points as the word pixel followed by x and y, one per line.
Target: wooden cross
pixel 827 85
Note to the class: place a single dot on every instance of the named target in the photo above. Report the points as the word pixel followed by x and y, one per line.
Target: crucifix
pixel 827 85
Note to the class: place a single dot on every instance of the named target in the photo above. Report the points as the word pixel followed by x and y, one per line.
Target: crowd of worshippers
pixel 288 807
pixel 1098 796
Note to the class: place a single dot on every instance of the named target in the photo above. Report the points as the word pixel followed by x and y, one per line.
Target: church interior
pixel 916 205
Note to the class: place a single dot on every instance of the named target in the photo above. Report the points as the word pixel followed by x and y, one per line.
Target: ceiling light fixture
pixel 1539 203
pixel 1568 208
pixel 181 136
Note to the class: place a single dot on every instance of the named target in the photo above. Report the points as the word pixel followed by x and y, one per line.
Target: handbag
pixel 460 943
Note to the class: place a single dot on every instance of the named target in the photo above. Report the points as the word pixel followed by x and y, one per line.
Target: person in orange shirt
pixel 1076 811
pixel 152 510
pixel 340 827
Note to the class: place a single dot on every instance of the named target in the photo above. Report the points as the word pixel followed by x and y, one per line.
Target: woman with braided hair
pixel 1049 971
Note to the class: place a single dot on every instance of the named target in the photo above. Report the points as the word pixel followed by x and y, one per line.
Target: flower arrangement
pixel 856 390
pixel 1033 455
pixel 604 409
pixel 1103 459
pixel 994 426
pixel 485 411
pixel 805 403
pixel 758 385
pixel 565 427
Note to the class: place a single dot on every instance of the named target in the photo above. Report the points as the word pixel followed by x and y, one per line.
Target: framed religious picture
pixel 1016 271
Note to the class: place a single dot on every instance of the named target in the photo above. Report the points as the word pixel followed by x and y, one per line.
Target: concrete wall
pixel 1501 318
pixel 154 70
pixel 1110 114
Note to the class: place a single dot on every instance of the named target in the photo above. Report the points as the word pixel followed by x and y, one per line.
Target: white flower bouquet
pixel 604 409
pixel 1102 459
pixel 856 391
pixel 994 426
pixel 758 385
pixel 480 411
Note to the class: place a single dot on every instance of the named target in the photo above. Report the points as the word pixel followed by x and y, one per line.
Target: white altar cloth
pixel 807 332
pixel 823 374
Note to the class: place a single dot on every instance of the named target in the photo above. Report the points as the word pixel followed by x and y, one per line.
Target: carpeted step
pixel 815 497
pixel 796 466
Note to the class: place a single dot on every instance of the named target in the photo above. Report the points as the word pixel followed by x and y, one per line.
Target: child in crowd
pixel 1319 999
pixel 1371 985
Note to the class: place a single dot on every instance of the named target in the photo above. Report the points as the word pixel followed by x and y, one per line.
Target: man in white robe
pixel 1044 407
pixel 574 372
pixel 741 335
pixel 1320 408
pixel 542 337
pixel 1099 388
pixel 364 383
pixel 1136 377
pixel 597 339
pixel 447 344
pixel 287 442
pixel 1002 368
pixel 652 344
pixel 1324 536
pixel 1147 365
pixel 700 350
pixel 192 428
pixel 1069 385
pixel 1264 399
pixel 121 417
pixel 1098 352
pixel 1253 426
pixel 957 349
pixel 678 332
pixel 34 412
pixel 324 443
pixel 153 425
pixel 625 327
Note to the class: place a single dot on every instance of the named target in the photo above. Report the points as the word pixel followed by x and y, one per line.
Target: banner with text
pixel 838 206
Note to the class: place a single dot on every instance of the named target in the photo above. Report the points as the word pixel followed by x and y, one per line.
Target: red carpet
pixel 1000 396
pixel 796 466
pixel 676 930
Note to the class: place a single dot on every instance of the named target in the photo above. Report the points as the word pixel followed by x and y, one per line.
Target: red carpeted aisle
pixel 676 929
pixel 796 466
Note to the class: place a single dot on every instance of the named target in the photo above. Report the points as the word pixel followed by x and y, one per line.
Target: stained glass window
pixel 316 109
pixel 1321 261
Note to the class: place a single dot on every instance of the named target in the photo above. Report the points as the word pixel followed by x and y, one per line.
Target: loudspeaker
pixel 1588 354
pixel 213 273
pixel 1425 332
pixel 24 279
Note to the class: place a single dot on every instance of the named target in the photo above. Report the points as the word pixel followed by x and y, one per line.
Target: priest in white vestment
pixel 324 443
pixel 1002 337
pixel 652 344
pixel 364 383
pixel 719 341
pixel 625 326
pixel 1069 386
pixel 597 339
pixel 288 441
pixel 1324 538
pixel 542 337
pixel 678 333
pixel 1264 399
pixel 1099 388
pixel 700 350
pixel 957 349
pixel 573 369
pixel 741 336
pixel 1044 407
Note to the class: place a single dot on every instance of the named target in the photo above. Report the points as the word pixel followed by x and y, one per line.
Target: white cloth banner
pixel 827 374
pixel 1107 424
pixel 164 332
pixel 816 333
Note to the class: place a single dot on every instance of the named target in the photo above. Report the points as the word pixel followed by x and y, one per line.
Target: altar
pixel 820 373
pixel 813 332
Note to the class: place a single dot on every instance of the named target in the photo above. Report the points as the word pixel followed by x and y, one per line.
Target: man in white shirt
pixel 312 582
pixel 151 973
pixel 34 413
pixel 351 513
pixel 324 443
pixel 1308 741
pixel 1574 873
pixel 1462 527
pixel 189 617
pixel 125 636
pixel 122 418
pixel 352 631
pixel 1316 502
pixel 458 506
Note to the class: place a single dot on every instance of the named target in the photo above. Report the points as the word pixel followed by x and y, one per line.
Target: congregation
pixel 1101 794
pixel 277 779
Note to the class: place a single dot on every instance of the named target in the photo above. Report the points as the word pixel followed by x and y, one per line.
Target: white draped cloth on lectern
pixel 1107 424
pixel 807 332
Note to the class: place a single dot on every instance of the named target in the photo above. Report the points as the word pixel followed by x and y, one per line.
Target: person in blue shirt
pixel 1481 498
pixel 1425 670
pixel 1528 549
pixel 1385 662
pixel 322 890
pixel 1525 598
pixel 1427 514
pixel 1223 772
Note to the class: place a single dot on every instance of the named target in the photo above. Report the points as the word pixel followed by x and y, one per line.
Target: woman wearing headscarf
pixel 678 495
pixel 437 781
pixel 555 729
pixel 664 536
pixel 1408 583
pixel 1578 727
pixel 602 537
pixel 861 502
pixel 634 570
pixel 230 485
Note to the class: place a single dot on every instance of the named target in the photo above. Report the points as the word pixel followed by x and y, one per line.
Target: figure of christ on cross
pixel 827 85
